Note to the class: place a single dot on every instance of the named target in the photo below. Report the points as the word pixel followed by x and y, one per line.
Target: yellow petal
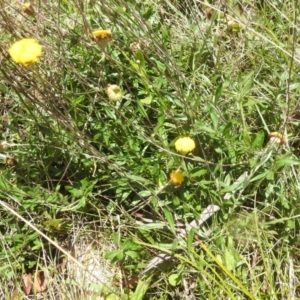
pixel 185 145
pixel 102 37
pixel 28 8
pixel 276 138
pixel 176 177
pixel 114 92
pixel 25 51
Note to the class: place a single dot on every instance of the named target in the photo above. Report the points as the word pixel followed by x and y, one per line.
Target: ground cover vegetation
pixel 149 149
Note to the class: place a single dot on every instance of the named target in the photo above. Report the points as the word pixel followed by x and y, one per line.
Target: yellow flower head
pixel 233 25
pixel 114 92
pixel 102 37
pixel 138 45
pixel 3 146
pixel 185 145
pixel 28 8
pixel 176 177
pixel 276 138
pixel 25 51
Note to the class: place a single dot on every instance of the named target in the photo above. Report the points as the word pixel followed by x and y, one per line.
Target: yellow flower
pixel 233 25
pixel 11 161
pixel 28 8
pixel 276 138
pixel 3 146
pixel 176 177
pixel 102 37
pixel 25 51
pixel 185 145
pixel 114 92
pixel 138 45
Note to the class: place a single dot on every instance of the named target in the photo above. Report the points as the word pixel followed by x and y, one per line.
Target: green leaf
pixel 286 160
pixel 170 219
pixel 198 172
pixel 258 140
pixel 5 185
pixel 147 101
pixel 45 129
pixel 145 194
pixel 129 244
pixel 131 254
pixel 175 279
pixel 112 297
pixel 270 175
pixel 140 57
pixel 259 176
pixel 218 92
pixel 114 255
pixel 82 202
pixel 56 223
pixel 229 260
pixel 140 290
pixel 215 118
pixel 190 239
pixel 151 226
pixel 240 183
